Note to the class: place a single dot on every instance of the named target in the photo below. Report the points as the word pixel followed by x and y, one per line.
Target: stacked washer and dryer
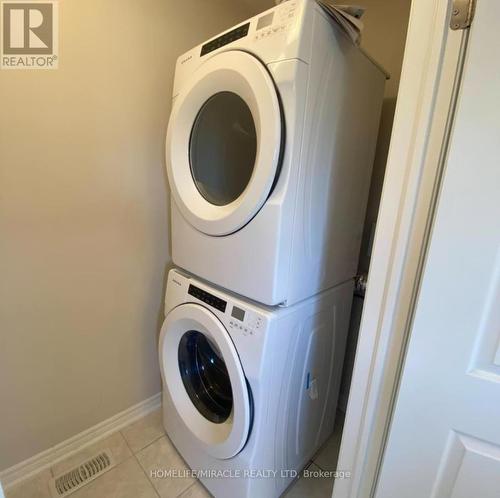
pixel 269 151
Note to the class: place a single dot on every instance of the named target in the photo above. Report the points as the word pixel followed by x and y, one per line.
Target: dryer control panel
pixel 225 39
pixel 277 21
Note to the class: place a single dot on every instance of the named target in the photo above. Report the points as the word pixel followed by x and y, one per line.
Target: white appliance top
pixel 282 32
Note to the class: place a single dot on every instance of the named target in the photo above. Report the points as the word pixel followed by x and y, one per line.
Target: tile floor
pixel 143 446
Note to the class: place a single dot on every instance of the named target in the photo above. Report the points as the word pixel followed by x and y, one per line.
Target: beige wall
pixel 83 216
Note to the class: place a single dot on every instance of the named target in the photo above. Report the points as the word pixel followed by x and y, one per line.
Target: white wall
pixel 384 36
pixel 83 216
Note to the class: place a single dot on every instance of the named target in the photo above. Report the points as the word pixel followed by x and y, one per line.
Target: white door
pixel 203 376
pixel 444 439
pixel 224 142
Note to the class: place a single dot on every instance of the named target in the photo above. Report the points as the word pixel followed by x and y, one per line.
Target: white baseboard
pixel 47 458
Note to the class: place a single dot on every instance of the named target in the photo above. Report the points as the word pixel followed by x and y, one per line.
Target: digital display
pixel 235 34
pixel 265 21
pixel 238 313
pixel 208 298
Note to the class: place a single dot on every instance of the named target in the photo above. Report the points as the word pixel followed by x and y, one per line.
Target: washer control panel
pixel 245 321
pixel 236 316
pixel 208 298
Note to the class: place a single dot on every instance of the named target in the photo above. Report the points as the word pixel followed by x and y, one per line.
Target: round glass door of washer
pixel 203 376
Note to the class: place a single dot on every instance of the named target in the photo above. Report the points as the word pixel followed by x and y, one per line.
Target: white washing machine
pixel 269 153
pixel 249 392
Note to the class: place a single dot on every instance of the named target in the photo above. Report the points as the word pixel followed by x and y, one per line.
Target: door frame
pixel 428 90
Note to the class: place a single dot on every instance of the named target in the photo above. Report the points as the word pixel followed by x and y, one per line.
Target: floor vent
pixel 67 483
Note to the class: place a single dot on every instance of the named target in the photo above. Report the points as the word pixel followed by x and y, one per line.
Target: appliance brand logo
pixel 29 35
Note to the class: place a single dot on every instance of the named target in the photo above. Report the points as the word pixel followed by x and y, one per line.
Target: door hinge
pixel 462 12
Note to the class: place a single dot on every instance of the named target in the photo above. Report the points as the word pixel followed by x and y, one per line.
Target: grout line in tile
pixel 149 444
pixel 189 487
pixel 318 465
pixel 147 477
pixel 140 449
pixel 126 442
pixel 143 469
pixel 324 469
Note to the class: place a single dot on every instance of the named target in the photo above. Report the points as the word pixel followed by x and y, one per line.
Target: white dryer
pixel 269 152
pixel 249 392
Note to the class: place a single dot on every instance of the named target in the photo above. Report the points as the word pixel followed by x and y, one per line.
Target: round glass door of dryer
pixel 224 143
pixel 223 148
pixel 204 378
